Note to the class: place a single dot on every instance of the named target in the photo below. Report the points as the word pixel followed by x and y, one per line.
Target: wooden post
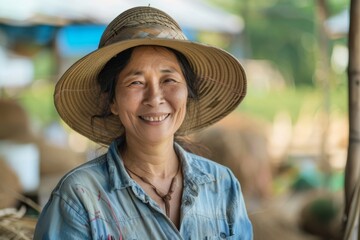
pixel 352 170
pixel 323 79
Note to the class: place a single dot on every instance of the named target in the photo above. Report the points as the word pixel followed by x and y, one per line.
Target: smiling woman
pixel 109 75
pixel 144 86
pixel 151 90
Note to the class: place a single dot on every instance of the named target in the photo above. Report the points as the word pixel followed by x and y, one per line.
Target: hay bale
pixel 9 184
pixel 14 122
pixel 15 127
pixel 57 160
pixel 13 225
pixel 240 143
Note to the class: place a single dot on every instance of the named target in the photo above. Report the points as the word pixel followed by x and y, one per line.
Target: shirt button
pixel 223 235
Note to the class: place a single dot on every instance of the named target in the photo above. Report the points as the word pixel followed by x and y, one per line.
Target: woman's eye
pixel 135 83
pixel 170 80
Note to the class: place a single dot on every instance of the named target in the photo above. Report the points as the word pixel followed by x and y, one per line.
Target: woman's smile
pixel 151 95
pixel 155 118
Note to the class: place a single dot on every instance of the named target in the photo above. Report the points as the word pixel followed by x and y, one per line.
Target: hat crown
pixel 141 22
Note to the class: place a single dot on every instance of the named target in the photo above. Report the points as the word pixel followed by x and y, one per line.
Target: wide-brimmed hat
pixel 222 81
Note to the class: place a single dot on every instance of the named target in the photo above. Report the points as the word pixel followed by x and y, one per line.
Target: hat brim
pixel 222 88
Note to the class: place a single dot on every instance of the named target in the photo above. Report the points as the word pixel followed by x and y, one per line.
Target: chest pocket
pixel 206 228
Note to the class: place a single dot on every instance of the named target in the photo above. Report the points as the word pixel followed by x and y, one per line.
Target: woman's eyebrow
pixel 134 72
pixel 169 70
pixel 137 72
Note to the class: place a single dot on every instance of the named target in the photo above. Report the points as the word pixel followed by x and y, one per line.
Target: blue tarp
pixel 78 40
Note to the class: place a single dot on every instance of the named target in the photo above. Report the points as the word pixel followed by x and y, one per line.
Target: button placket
pixel 191 191
pixel 188 202
pixel 194 189
pixel 223 235
pixel 138 193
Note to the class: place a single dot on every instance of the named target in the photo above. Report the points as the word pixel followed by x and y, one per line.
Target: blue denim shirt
pixel 99 200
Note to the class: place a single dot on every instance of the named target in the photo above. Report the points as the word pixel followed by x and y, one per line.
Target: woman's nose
pixel 154 95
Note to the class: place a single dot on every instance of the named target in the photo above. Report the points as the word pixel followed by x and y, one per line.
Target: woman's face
pixel 151 95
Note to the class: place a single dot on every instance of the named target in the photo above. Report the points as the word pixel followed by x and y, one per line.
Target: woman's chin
pixel 157 136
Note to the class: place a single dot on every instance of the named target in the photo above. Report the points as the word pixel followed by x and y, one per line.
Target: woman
pixel 143 88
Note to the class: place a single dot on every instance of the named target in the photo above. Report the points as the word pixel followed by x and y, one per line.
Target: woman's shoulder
pixel 205 162
pixel 205 170
pixel 87 173
pixel 209 166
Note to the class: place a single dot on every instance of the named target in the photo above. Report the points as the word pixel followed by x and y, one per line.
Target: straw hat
pixel 221 77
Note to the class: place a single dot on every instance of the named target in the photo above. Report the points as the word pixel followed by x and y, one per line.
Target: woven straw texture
pixel 77 94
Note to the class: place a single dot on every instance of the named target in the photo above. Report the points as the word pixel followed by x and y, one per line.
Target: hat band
pixel 153 31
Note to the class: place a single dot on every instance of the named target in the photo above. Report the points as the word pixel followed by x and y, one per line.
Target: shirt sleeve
pixel 61 219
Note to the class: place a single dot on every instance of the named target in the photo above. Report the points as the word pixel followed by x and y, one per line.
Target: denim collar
pixel 119 178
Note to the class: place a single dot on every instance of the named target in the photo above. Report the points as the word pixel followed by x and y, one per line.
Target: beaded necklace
pixel 165 197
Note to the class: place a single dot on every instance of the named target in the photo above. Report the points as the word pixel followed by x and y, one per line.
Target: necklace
pixel 165 197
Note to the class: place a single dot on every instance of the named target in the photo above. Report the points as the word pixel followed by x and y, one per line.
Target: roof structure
pixel 191 14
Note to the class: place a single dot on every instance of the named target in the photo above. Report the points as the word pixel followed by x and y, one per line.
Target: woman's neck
pixel 153 160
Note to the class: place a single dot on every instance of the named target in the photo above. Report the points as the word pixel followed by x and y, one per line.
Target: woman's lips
pixel 155 118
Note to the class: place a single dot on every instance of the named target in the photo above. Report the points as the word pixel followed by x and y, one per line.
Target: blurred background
pixel 286 143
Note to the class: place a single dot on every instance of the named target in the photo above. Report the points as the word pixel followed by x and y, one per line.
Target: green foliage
pixel 38 101
pixel 305 100
pixel 336 6
pixel 284 32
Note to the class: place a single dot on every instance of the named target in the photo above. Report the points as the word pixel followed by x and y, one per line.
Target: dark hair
pixel 108 77
pixel 191 79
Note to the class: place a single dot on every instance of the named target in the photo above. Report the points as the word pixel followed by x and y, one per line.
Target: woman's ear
pixel 114 108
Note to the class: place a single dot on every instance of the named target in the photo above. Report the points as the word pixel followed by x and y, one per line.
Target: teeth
pixel 154 119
